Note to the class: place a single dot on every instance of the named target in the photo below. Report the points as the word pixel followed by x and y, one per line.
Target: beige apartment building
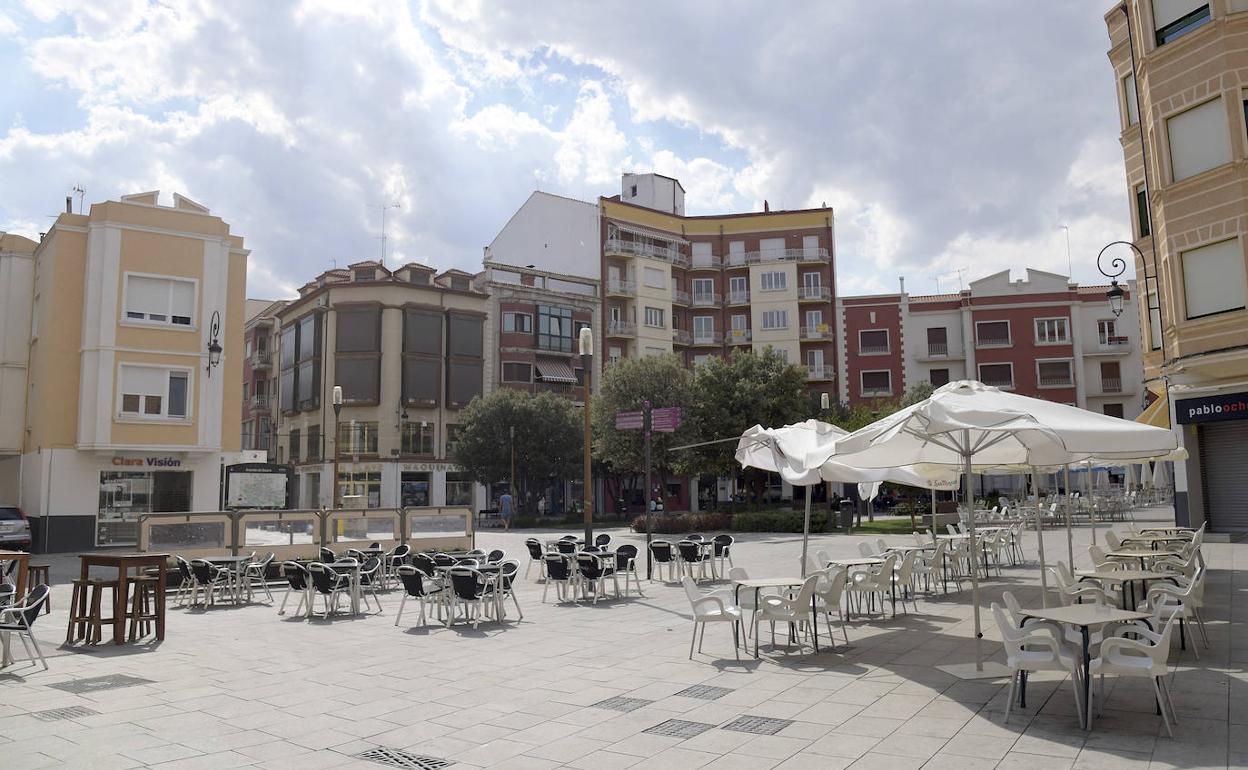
pixel 1181 69
pixel 133 333
pixel 407 348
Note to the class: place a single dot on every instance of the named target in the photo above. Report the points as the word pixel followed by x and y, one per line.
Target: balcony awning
pixel 1157 414
pixel 645 232
pixel 555 370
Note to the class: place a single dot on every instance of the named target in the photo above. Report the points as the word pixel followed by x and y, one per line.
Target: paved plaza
pixel 244 687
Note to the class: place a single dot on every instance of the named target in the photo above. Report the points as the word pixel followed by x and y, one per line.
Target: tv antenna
pixel 961 283
pixel 384 208
pixel 81 192
pixel 1069 268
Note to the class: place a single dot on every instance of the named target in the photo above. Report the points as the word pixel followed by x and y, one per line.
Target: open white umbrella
pixel 784 451
pixel 966 423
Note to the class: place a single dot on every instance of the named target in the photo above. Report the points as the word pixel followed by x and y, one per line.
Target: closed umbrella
pixel 1161 474
pixel 966 423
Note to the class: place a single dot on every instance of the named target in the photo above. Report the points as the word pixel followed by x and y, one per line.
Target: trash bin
pixel 847 515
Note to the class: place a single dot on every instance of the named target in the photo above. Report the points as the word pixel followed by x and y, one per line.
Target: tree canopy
pixel 626 384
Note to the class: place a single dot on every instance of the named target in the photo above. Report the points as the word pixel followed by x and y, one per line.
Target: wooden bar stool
pixel 86 620
pixel 142 606
pixel 40 573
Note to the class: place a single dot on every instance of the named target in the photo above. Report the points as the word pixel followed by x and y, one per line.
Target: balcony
pixel 814 293
pixel 821 332
pixel 1000 382
pixel 938 349
pixel 1111 346
pixel 820 372
pixel 1111 384
pixel 261 359
pixel 787 255
pixel 706 262
pixel 737 259
pixel 706 299
pixel 682 337
pixel 877 392
pixel 260 403
pixel 621 289
pixel 621 329
pixel 708 338
pixel 1056 382
pixel 740 336
pixel 993 342
pixel 738 298
pixel 873 350
pixel 643 249
pixel 680 297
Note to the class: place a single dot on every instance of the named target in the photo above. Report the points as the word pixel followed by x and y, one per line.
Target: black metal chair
pixel 566 547
pixel 442 560
pixel 496 556
pixel 328 556
pixel 468 589
pixel 536 552
pixel 425 563
pixel 721 551
pixel 370 578
pixel 663 554
pixel 696 538
pixel 559 570
pixel 594 573
pixel 329 584
pixel 692 556
pixel 258 572
pixel 8 592
pixel 296 576
pixel 396 558
pixel 421 586
pixel 602 541
pixel 626 563
pixel 209 577
pixel 188 580
pixel 18 619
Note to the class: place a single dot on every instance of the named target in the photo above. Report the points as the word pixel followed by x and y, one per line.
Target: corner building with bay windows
pixel 406 347
pixel 130 319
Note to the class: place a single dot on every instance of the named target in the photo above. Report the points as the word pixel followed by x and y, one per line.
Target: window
pixel 416 438
pixel 703 327
pixel 357 437
pixel 774 280
pixel 458 489
pixel 632 191
pixel 938 377
pixel 702 256
pixel 938 342
pixel 293 453
pixel 776 319
pixel 1113 410
pixel 814 322
pixel 997 375
pixel 1174 18
pixel 1107 332
pixel 357 365
pixel 153 392
pixel 1198 140
pixel 465 366
pixel 1054 374
pixel 1213 278
pixel 1130 109
pixel 422 357
pixel 738 289
pixel 654 317
pixel 654 278
pixel 554 328
pixel 452 440
pixel 156 300
pixel 878 383
pixel 736 252
pixel 517 322
pixel 464 334
pixel 872 341
pixel 365 274
pixel 703 288
pixel 1051 330
pixel 992 334
pixel 1111 377
pixel 459 283
pixel 301 365
pixel 516 372
pixel 1154 322
pixel 314 444
pixel 359 489
pixel 1142 224
pixel 414 489
pixel 419 277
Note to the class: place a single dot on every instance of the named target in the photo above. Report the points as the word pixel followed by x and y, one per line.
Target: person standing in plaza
pixel 505 510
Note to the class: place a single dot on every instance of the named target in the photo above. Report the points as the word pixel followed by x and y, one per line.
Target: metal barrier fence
pixel 301 533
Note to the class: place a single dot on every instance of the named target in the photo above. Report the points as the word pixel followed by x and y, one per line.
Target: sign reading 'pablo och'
pixel 148 462
pixel 1232 406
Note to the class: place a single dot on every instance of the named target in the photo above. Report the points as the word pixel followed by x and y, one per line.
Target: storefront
pixel 1220 423
pixel 390 484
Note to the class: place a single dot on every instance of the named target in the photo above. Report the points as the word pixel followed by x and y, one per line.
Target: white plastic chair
pixel 829 593
pixel 796 610
pixel 874 581
pixel 1028 650
pixel 710 608
pixel 1143 657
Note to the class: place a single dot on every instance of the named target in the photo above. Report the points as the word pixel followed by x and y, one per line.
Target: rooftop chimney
pixel 902 280
pixel 69 204
pixel 766 206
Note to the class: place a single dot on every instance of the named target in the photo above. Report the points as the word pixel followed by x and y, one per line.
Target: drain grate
pixel 679 728
pixel 98 683
pixel 704 692
pixel 622 704
pixel 69 712
pixel 757 725
pixel 405 759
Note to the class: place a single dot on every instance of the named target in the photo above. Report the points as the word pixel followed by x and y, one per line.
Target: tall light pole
pixel 337 402
pixel 511 480
pixel 587 361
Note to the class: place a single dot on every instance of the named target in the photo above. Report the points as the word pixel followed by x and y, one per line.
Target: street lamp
pixel 1117 266
pixel 337 402
pixel 587 361
pixel 214 344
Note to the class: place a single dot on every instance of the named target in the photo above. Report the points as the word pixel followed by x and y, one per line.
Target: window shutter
pixel 147 295
pixel 1198 140
pixel 143 380
pixel 183 298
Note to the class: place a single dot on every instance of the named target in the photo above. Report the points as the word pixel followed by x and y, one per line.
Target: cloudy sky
pixel 952 136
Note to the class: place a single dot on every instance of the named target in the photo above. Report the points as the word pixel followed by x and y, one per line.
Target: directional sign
pixel 629 421
pixel 665 420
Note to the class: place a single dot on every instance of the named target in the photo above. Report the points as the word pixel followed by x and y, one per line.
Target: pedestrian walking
pixel 505 509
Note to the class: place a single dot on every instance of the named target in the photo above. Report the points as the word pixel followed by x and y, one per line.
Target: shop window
pixel 458 489
pixel 359 489
pixel 415 488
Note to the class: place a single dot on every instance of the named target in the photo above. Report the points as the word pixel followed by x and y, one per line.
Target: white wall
pixel 16 293
pixel 552 233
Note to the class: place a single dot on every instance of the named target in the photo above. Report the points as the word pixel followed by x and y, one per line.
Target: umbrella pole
pixel 1044 581
pixel 974 549
pixel 1091 508
pixel 806 529
pixel 1070 538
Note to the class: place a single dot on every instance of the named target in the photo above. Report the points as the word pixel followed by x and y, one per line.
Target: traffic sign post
pixel 648 420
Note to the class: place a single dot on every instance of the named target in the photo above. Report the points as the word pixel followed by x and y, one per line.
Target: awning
pixel 555 370
pixel 645 232
pixel 1157 414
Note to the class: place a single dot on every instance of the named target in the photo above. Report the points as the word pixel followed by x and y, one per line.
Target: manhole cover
pixel 97 683
pixel 397 758
pixel 679 728
pixel 69 712
pixel 704 691
pixel 622 704
pixel 757 725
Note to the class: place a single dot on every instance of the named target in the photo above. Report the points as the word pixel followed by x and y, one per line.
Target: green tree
pixel 735 393
pixel 548 440
pixel 626 384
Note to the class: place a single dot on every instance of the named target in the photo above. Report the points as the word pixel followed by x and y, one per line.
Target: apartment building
pixel 1181 78
pixel 259 417
pixel 1041 336
pixel 407 347
pixel 535 322
pixel 132 318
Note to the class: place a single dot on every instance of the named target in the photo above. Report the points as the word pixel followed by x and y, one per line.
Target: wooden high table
pixel 123 563
pixel 23 564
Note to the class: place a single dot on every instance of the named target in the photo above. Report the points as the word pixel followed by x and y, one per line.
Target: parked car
pixel 14 528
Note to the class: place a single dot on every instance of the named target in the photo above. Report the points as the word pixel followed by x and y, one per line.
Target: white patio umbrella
pixel 967 424
pixel 784 451
pixel 1161 474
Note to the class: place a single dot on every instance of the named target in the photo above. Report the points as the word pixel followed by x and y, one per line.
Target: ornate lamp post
pixel 587 360
pixel 1118 266
pixel 337 402
pixel 214 342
